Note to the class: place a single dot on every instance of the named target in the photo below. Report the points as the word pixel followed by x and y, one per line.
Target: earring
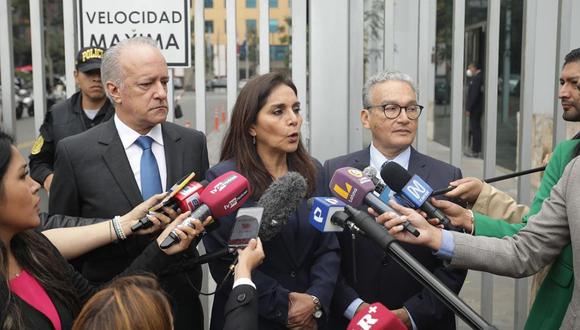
pixel 254 140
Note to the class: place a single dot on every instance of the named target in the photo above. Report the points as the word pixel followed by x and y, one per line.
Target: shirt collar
pixel 377 159
pixel 129 136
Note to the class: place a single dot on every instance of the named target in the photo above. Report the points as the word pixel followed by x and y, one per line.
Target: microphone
pixel 353 188
pixel 375 317
pixel 223 196
pixel 169 200
pixel 245 228
pixel 390 246
pixel 327 215
pixel 414 189
pixel 385 193
pixel 494 179
pixel 279 201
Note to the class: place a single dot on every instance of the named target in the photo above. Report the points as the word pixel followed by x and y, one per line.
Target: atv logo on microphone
pixel 344 192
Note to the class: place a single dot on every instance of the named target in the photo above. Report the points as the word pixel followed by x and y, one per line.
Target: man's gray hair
pixel 382 77
pixel 111 68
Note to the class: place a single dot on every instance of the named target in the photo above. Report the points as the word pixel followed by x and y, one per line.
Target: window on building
pixel 273 3
pixel 273 25
pixel 250 3
pixel 279 52
pixel 251 25
pixel 208 3
pixel 208 26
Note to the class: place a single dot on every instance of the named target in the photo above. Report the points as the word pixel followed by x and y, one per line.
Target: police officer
pixel 85 109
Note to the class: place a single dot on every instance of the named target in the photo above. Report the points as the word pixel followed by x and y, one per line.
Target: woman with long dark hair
pixel 38 288
pixel 296 280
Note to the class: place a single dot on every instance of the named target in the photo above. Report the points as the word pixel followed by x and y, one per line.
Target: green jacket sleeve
pixel 487 226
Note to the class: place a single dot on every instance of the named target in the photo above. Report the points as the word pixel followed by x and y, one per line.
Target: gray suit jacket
pixel 93 178
pixel 536 245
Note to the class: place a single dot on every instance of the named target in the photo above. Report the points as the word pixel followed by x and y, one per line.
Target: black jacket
pixel 368 273
pixel 241 309
pixel 93 178
pixel 62 120
pixel 474 100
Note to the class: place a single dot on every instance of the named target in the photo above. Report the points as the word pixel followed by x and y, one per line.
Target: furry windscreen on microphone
pixel 279 201
pixel 370 172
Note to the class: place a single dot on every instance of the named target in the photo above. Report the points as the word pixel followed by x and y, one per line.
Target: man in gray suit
pixel 108 170
pixel 533 247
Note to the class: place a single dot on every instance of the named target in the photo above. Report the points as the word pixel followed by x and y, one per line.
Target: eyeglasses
pixel 393 111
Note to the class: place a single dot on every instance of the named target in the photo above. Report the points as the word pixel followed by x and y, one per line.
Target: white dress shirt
pixel 129 136
pixel 378 159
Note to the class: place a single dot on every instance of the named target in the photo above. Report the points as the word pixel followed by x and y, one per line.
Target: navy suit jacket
pixel 299 259
pixel 368 273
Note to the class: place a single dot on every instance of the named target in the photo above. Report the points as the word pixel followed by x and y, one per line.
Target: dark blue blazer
pixel 299 259
pixel 368 273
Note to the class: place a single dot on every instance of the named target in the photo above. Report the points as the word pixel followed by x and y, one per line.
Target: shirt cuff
pixel 242 281
pixel 351 309
pixel 447 246
pixel 414 326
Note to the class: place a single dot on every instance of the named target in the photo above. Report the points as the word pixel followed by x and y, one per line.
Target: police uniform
pixel 66 118
pixel 62 120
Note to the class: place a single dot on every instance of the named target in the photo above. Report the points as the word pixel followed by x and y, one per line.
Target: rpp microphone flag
pixel 375 317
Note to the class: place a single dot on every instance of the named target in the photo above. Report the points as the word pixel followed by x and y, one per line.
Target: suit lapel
pixel 360 159
pixel 174 150
pixel 417 165
pixel 116 160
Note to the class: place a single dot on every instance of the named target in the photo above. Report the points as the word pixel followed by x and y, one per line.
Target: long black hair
pixel 33 253
pixel 237 143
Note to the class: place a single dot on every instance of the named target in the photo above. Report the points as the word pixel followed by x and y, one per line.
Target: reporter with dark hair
pixel 296 281
pixel 38 288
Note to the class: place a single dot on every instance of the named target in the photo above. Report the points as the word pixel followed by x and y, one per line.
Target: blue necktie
pixel 150 178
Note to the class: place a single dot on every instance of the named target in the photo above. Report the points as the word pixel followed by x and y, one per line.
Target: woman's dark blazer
pixel 299 259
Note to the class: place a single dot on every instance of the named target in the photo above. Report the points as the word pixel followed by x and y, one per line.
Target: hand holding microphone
pixel 468 189
pixel 249 259
pixel 186 233
pixel 223 196
pixel 430 235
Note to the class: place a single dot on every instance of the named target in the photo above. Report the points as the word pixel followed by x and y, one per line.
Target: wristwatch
pixel 317 307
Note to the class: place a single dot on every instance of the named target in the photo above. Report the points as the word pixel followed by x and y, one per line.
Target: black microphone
pixel 352 187
pixel 414 189
pixel 389 245
pixel 494 179
pixel 279 201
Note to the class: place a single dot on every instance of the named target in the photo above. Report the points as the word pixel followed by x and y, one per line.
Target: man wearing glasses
pixel 391 114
